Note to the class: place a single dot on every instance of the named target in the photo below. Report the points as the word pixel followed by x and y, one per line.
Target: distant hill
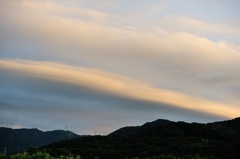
pixel 133 130
pixel 229 126
pixel 218 140
pixel 16 140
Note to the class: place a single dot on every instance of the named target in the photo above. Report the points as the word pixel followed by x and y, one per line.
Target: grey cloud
pixel 217 77
pixel 184 61
pixel 46 104
pixel 84 119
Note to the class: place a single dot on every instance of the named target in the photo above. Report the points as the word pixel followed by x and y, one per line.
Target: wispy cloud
pixel 15 126
pixel 116 85
pixel 147 53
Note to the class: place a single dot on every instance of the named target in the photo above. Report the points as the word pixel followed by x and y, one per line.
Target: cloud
pixel 166 59
pixel 50 95
pixel 113 84
pixel 15 126
pixel 53 27
pixel 157 52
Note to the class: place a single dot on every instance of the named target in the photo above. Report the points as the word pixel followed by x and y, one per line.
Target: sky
pixel 94 66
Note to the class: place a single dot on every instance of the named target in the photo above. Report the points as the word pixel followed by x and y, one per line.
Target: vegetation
pixel 156 140
pixel 37 155
pixel 170 156
pixel 17 140
pixel 44 155
pixel 133 130
pixel 180 139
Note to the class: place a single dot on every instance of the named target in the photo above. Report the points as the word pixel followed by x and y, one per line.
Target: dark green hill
pixel 230 126
pixel 213 140
pixel 16 140
pixel 133 130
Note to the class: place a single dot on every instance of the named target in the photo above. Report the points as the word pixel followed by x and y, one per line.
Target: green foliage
pixel 32 150
pixel 170 156
pixel 43 155
pixel 2 156
pixel 152 140
pixel 56 152
pixel 37 155
pixel 157 140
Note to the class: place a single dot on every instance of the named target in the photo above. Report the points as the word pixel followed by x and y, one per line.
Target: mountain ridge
pixel 133 130
pixel 16 140
pixel 217 140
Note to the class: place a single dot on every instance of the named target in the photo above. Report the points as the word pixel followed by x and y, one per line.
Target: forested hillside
pixel 16 140
pixel 213 140
pixel 160 139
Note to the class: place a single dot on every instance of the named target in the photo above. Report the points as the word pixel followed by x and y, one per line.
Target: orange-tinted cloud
pixel 117 85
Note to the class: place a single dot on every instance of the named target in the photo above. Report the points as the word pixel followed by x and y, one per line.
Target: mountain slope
pixel 16 140
pixel 230 126
pixel 133 130
pixel 219 140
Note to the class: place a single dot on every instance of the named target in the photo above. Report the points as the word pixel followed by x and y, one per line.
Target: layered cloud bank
pixel 106 58
pixel 112 84
pixel 41 74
